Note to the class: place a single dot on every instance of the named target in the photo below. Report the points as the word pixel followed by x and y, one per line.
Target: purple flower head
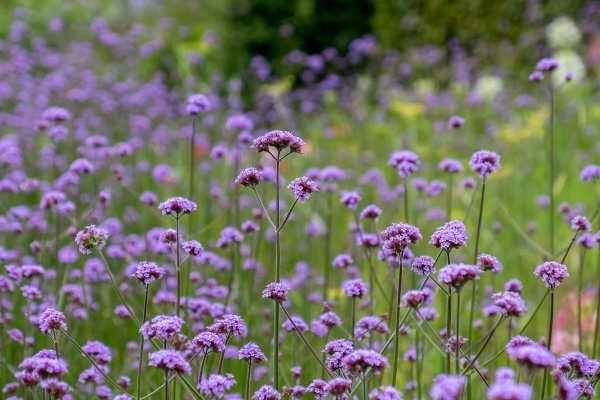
pixel 569 75
pixel 175 206
pixel 342 261
pixel 510 303
pixel 217 385
pixel 229 325
pixel 279 140
pixel 547 65
pixel 590 173
pixel 229 235
pixel 406 162
pixel 507 389
pixel 338 386
pixel 209 341
pixel 350 199
pixel 513 285
pixel 148 272
pixel 56 388
pixel 266 392
pixel 398 236
pixel 98 351
pixel 251 353
pixel 583 388
pixel 288 324
pixel 354 288
pixel 552 273
pixel 456 275
pixel 455 122
pixel 448 387
pixel 487 262
pixel 532 355
pixel 330 319
pixel 485 162
pixel 52 319
pixel 574 362
pixel 451 235
pixel 240 122
pixel 197 104
pixel 162 327
pixel 56 114
pixel 318 389
pixel 359 360
pixel 303 188
pixel 250 177
pixel 580 223
pixel 414 298
pixel 170 361
pixel 423 265
pixel 276 291
pixel 192 247
pixel 450 165
pixel 385 393
pixel 536 76
pixel 81 166
pixel 91 238
pixel 371 212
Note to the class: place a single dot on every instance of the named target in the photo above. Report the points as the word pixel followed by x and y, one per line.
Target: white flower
pixel 488 87
pixel 563 33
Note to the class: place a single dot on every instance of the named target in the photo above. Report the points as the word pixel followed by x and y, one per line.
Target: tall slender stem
pixel 397 320
pixel 328 236
pixel 277 275
pixel 476 253
pixel 248 381
pixel 579 305
pixel 597 327
pixel 353 318
pixel 166 385
pixel 192 161
pixel 471 361
pixel 449 198
pixel 364 384
pixel 177 270
pixel 417 356
pixel 405 184
pixel 549 340
pixel 551 166
pixel 448 325
pixel 457 344
pixel 141 352
pixel 116 288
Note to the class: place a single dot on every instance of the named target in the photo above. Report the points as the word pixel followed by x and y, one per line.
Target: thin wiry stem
pixel 117 290
pixel 397 319
pixel 551 165
pixel 178 270
pixel 277 273
pixel 262 205
pixel 141 352
pixel 597 327
pixel 549 344
pixel 476 253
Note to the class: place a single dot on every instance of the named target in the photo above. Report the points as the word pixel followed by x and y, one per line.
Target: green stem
pixel 597 327
pixel 116 289
pixel 248 381
pixel 277 274
pixel 141 352
pixel 549 345
pixel 328 236
pixel 166 385
pixel 471 361
pixel 417 351
pixel 551 165
pixel 457 344
pixel 353 320
pixel 397 319
pixel 177 269
pixel 579 305
pixel 477 236
pixel 449 198
pixel 405 184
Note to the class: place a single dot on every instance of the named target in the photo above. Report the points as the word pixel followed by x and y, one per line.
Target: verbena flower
pixel 266 392
pixel 488 263
pixel 169 360
pixel 509 303
pixel 337 386
pixel 451 235
pixel 318 389
pixel 229 325
pixel 217 385
pixel 448 387
pixel 303 188
pixel 98 351
pixel 580 223
pixel 192 247
pixel 529 353
pixel 276 291
pixel 175 206
pixel 342 261
pixel 208 341
pixel 547 65
pixel 590 173
pixel 197 104
pixel 250 177
pixel 251 353
pixel 91 238
pixel 279 140
pixel 406 162
pixel 398 236
pixel 52 319
pixel 423 265
pixel 162 327
pixel 354 288
pixel 456 275
pixel 385 393
pixel 148 272
pixel 507 389
pixel 359 361
pixel 450 165
pixel 371 212
pixel 552 273
pixel 485 162
pixel 350 199
pixel 413 298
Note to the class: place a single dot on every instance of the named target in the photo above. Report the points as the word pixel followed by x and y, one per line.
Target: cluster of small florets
pixel 207 342
pixel 175 206
pixel 485 162
pixel 170 361
pixel 162 327
pixel 338 386
pixel 450 165
pixel 229 235
pixel 250 177
pixel 350 199
pixel 413 298
pixel 251 353
pixel 56 114
pixel 590 173
pixel 510 303
pixel 552 273
pixel 398 236
pixel 216 385
pixel 448 387
pixel 359 361
pixel 342 261
pixel 406 162
pixel 276 291
pixel 423 265
pixel 581 223
pixel 279 140
pixel 229 325
pixel 370 212
pixel 192 247
pixel 266 392
pixel 41 366
pixel 98 351
pixel 451 235
pixel 197 104
pixel 506 388
pixel 488 263
pixel 529 353
pixel 52 319
pixel 354 288
pixel 456 275
pixel 302 188
pixel 91 238
pixel 148 272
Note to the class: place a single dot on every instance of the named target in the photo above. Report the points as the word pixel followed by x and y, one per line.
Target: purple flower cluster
pixel 162 327
pixel 510 303
pixel 423 265
pixel 354 288
pixel 276 291
pixel 175 206
pixel 250 177
pixel 448 387
pixel 216 385
pixel 488 263
pixel 279 140
pixel 52 319
pixel 451 235
pixel 359 361
pixel 398 236
pixel 414 298
pixel 552 273
pixel 148 272
pixel 169 360
pixel 197 104
pixel 406 162
pixel 251 353
pixel 303 188
pixel 91 238
pixel 266 392
pixel 529 353
pixel 485 162
pixel 456 275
